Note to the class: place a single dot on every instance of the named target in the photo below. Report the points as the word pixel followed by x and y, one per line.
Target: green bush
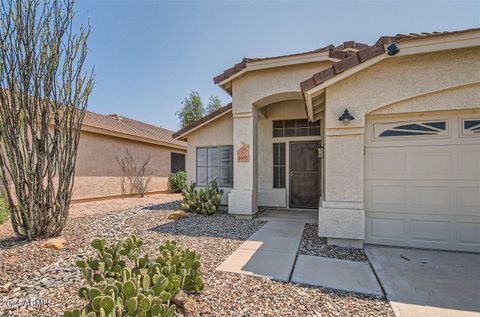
pixel 147 288
pixel 205 201
pixel 177 182
pixel 4 211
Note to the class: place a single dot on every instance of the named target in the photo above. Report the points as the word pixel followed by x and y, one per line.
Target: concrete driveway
pixel 428 283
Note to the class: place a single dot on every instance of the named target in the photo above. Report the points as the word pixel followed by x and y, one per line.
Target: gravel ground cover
pixel 312 244
pixel 52 276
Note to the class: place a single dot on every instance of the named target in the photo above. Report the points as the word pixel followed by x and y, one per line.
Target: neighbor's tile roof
pixel 334 52
pixel 366 54
pixel 210 116
pixel 131 127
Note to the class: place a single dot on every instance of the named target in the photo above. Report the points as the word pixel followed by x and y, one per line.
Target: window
pixel 471 127
pixel 279 165
pixel 295 128
pixel 410 129
pixel 215 164
pixel 177 162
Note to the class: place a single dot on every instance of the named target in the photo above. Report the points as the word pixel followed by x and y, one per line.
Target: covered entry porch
pixel 278 163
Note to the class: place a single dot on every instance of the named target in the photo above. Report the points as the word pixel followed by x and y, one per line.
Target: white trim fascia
pixel 93 129
pixel 203 124
pixel 435 44
pixel 282 61
pixel 242 114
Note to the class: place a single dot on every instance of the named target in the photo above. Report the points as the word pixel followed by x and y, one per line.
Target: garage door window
pixel 471 127
pixel 410 129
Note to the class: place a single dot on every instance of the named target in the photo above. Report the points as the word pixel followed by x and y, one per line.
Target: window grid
pixel 295 128
pixel 279 165
pixel 215 164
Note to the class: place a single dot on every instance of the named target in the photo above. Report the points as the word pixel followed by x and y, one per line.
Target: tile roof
pixel 199 122
pixel 366 54
pixel 415 36
pixel 338 52
pixel 131 127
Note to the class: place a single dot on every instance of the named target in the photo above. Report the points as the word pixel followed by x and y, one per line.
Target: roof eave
pixel 310 88
pixel 94 129
pixel 182 133
pixel 275 62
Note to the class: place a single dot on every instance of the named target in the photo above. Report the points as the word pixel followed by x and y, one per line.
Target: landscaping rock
pixel 312 244
pixel 54 243
pixel 6 287
pixel 214 237
pixel 176 214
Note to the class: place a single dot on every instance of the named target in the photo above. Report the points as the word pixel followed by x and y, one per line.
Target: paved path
pixel 272 252
pixel 338 274
pixel 269 252
pixel 428 283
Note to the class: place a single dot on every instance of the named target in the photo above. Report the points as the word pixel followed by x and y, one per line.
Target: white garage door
pixel 422 182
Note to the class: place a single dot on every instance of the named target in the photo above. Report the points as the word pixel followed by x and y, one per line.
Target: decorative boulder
pixel 54 243
pixel 176 214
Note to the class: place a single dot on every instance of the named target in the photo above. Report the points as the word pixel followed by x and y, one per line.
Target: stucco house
pixel 383 140
pixel 104 138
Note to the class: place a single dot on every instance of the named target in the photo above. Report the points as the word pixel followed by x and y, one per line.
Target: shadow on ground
pixel 219 225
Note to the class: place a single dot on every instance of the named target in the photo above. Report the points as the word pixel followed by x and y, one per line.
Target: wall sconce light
pixel 346 117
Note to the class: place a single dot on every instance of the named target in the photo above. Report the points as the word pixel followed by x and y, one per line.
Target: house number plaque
pixel 243 154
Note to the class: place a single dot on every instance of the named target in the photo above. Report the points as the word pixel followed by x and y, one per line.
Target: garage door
pixel 422 182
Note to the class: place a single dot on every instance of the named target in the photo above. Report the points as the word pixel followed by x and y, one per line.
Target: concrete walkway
pixel 307 216
pixel 272 252
pixel 428 283
pixel 338 274
pixel 269 252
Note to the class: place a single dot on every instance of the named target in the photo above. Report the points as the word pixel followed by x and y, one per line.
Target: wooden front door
pixel 304 174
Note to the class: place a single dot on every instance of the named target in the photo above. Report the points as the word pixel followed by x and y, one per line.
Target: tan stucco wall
pixel 98 174
pixel 396 79
pixel 218 132
pixel 251 92
pixel 255 86
pixel 284 110
pixel 428 82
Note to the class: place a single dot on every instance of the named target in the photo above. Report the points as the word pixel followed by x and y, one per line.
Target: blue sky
pixel 149 55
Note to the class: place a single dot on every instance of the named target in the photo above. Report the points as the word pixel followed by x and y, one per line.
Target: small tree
pixel 44 93
pixel 192 109
pixel 138 175
pixel 214 103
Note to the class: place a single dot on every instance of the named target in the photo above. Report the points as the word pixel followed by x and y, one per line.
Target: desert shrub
pixel 121 282
pixel 205 201
pixel 4 211
pixel 177 181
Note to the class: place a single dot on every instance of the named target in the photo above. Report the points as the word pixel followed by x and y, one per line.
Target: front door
pixel 304 174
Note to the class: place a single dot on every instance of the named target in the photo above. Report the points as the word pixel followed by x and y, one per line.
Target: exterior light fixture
pixel 346 117
pixel 393 49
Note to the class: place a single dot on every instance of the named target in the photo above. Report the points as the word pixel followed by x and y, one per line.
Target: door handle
pixel 291 174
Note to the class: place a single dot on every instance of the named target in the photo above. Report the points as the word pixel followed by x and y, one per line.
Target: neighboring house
pixel 404 171
pixel 104 138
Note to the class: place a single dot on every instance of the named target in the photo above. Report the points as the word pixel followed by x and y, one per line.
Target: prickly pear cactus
pixel 205 201
pixel 147 288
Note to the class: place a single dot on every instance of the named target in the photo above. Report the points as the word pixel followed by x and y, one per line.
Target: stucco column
pixel 341 212
pixel 242 200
